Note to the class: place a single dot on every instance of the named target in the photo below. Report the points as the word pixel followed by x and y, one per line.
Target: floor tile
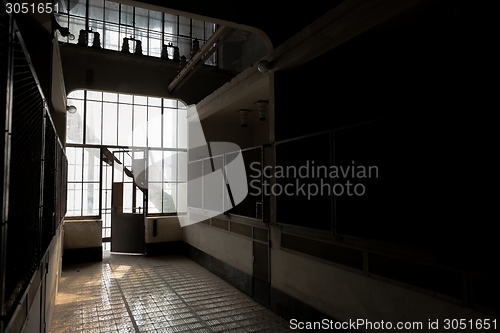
pixel 154 294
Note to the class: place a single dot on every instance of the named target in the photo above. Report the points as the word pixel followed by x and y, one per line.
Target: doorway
pixel 125 198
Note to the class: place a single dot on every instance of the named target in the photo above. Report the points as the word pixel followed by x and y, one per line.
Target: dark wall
pixel 424 63
pixel 423 79
pixel 278 22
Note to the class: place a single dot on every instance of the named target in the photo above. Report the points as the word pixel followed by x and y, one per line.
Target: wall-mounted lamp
pixel 244 117
pixel 264 66
pixel 71 109
pixel 262 109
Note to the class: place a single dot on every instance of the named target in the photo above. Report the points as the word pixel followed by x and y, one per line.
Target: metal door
pixel 129 195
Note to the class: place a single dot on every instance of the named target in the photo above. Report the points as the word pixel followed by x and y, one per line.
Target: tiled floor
pixel 154 294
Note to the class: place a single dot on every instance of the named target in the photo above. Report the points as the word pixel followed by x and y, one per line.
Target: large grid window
pixel 167 182
pixel 83 181
pixel 114 21
pixel 122 120
pixel 119 124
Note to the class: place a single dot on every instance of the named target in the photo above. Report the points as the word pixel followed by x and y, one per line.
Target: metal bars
pixel 34 167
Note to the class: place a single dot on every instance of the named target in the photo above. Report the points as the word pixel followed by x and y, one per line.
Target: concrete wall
pixel 168 229
pixel 231 249
pixel 82 241
pixel 80 234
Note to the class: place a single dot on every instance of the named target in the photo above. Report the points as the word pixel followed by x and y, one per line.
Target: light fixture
pixel 244 117
pixel 264 66
pixel 71 109
pixel 262 109
pixel 64 31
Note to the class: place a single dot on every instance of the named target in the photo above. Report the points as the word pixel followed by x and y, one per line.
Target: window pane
pixel 109 118
pixel 198 29
pixel 169 128
pixel 111 12
pixel 170 24
pixel 74 199
pixel 96 9
pixel 118 170
pixel 128 189
pixel 77 7
pixel 182 166
pixel 182 197
pixel 74 156
pixel 91 164
pixel 141 18
pixel 140 126
pixel 154 127
pixel 111 38
pixel 91 199
pixel 142 100
pixel 170 166
pixel 125 125
pixel 169 103
pixel 154 44
pixel 169 197
pixel 78 94
pixel 154 101
pixel 155 198
pixel 123 98
pixel 182 129
pixel 94 95
pixel 109 97
pixel 93 132
pixel 106 201
pixel 184 26
pixel 127 15
pixel 155 20
pixel 155 166
pixel 74 122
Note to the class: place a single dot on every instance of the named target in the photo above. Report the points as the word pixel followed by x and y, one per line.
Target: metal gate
pixel 129 199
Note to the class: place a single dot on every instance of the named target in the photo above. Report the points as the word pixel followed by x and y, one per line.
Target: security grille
pixel 49 186
pixel 24 217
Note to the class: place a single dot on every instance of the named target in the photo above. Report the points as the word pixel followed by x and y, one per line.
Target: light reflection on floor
pixel 154 294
